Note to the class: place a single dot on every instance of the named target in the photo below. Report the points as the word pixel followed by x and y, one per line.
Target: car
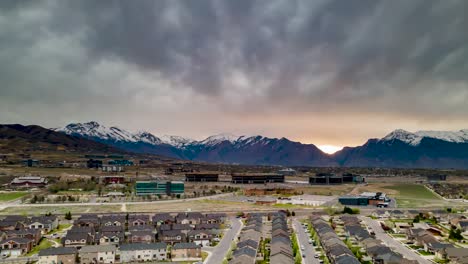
pixel 303 255
pixel 302 247
pixel 311 241
pixel 316 255
pixel 320 261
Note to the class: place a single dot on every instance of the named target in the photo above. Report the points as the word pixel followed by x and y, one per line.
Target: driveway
pixel 392 243
pixel 303 239
pixel 217 254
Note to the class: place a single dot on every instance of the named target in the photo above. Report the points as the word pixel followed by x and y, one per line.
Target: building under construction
pixel 258 178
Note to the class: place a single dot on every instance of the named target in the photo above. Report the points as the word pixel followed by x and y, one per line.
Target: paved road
pixel 303 238
pixel 392 243
pixel 218 253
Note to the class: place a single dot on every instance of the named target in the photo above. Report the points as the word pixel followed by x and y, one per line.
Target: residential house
pixel 15 246
pixel 172 236
pixel 113 220
pixel 32 234
pixel 138 220
pixel 79 236
pixel 200 237
pixel 97 254
pixel 77 240
pixel 88 221
pixel 165 218
pixel 186 252
pixel 110 238
pixel 143 252
pixel 245 255
pixel 191 218
pixel 144 236
pixel 62 255
pixel 456 255
pixel 44 223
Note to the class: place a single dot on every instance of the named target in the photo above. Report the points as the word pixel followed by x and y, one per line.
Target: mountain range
pixel 400 148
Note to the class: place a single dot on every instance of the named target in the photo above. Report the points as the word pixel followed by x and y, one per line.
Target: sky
pixel 327 72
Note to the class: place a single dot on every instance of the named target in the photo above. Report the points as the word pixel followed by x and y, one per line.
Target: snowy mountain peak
pixel 216 139
pixel 415 138
pixel 176 140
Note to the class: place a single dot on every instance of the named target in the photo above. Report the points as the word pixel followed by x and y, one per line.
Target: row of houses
pixel 280 246
pixel 192 218
pixel 425 238
pixel 374 248
pixel 121 254
pixel 19 234
pixel 196 228
pixel 336 251
pixel 250 237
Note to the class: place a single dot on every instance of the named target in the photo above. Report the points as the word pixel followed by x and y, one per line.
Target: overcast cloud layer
pixel 323 71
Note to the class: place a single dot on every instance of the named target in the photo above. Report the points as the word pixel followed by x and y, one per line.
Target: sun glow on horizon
pixel 330 149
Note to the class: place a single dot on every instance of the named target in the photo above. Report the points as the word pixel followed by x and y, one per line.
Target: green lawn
pixel 8 196
pixel 414 195
pixel 43 244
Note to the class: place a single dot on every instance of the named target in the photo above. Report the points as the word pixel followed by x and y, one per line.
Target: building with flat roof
pixel 159 187
pixel 258 178
pixel 202 177
pixel 29 181
pixel 331 178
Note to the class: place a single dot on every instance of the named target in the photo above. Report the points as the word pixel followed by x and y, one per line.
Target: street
pixel 304 240
pixel 392 243
pixel 218 253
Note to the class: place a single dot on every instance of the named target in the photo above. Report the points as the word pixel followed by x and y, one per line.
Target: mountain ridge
pixel 399 148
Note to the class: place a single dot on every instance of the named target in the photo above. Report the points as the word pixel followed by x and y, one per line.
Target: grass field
pixel 43 244
pixel 414 195
pixel 8 196
pixel 408 195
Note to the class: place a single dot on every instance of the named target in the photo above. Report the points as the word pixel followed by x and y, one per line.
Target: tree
pixel 455 234
pixel 68 215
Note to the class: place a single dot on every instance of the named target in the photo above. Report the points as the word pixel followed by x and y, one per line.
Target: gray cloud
pixel 180 61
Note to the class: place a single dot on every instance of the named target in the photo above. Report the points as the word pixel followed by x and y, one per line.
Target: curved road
pixel 392 243
pixel 218 253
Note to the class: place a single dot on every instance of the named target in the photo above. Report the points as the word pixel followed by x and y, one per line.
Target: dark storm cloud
pixel 406 58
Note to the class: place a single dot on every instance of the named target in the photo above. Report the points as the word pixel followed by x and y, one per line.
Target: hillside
pixel 16 138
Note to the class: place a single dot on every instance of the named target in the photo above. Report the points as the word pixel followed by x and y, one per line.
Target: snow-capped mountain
pixel 226 148
pixel 415 138
pixel 400 148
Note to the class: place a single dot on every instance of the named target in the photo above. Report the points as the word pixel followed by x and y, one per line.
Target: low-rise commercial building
pixel 202 177
pixel 257 178
pixel 159 187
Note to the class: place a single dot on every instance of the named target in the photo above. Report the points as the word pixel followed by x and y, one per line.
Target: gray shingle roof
pixel 140 246
pixel 58 251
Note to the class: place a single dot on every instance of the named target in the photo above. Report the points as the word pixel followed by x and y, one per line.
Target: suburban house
pixel 113 220
pixel 191 218
pixel 165 218
pixel 97 254
pixel 456 255
pixel 144 236
pixel 63 255
pixel 138 220
pixel 32 234
pixel 110 238
pixel 172 236
pixel 88 221
pixel 43 223
pixel 200 237
pixel 143 252
pixel 15 246
pixel 186 252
